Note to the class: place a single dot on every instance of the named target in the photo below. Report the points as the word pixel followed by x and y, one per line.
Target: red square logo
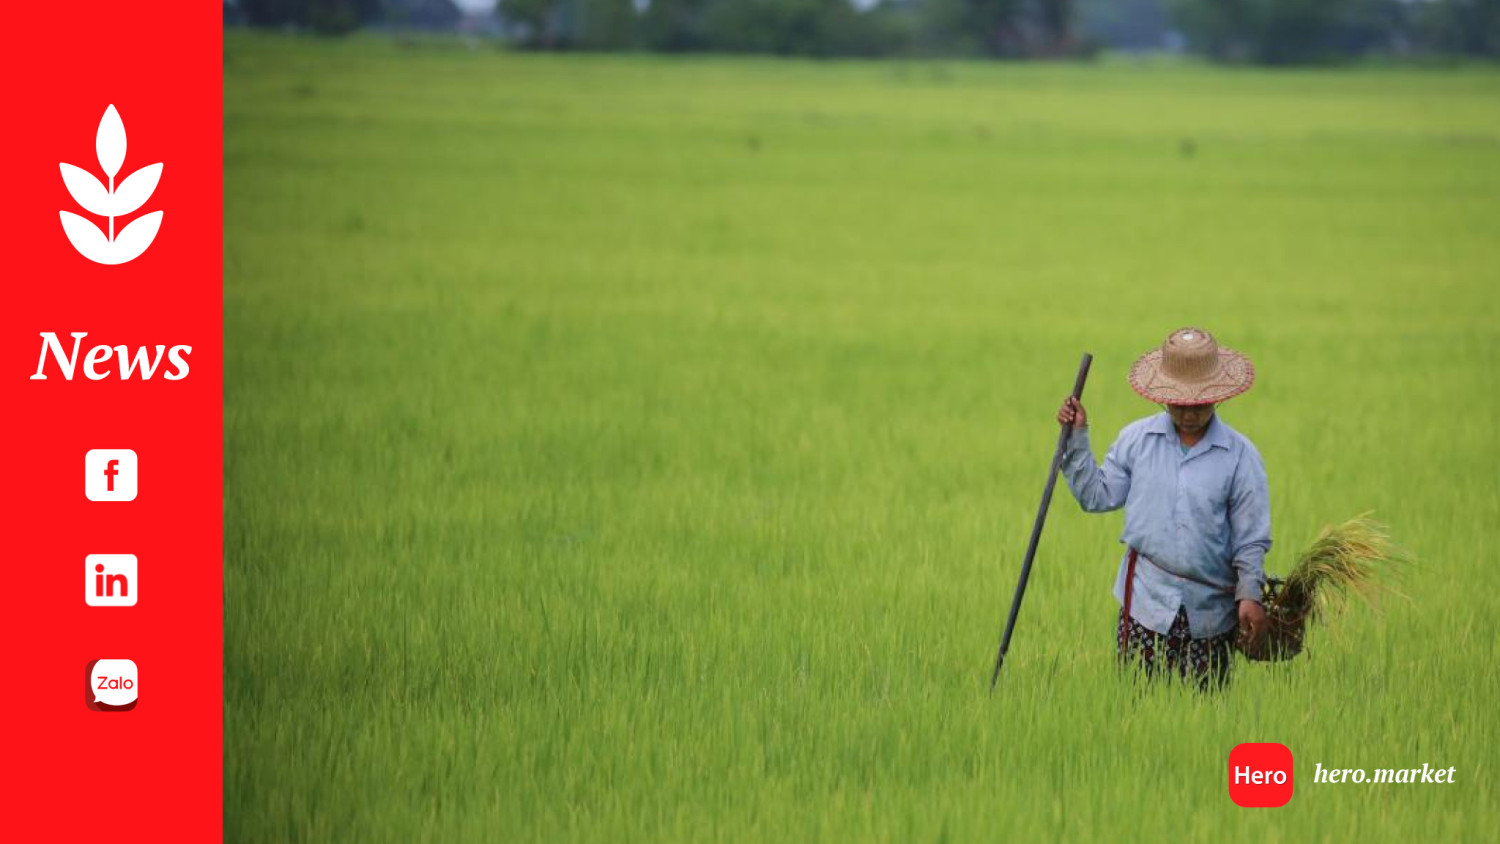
pixel 1260 774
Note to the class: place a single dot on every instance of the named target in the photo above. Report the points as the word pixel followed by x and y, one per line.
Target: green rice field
pixel 632 448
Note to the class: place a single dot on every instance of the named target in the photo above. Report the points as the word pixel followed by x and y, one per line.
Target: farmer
pixel 1197 513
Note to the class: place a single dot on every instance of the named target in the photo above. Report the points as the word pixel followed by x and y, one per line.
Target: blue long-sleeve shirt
pixel 1205 513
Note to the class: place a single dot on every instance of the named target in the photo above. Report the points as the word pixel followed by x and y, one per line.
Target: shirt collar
pixel 1161 423
pixel 1217 435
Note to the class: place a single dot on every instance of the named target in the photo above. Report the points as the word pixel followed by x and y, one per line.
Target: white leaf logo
pixel 111 202
pixel 109 142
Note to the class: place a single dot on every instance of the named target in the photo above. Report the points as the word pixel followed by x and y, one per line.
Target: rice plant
pixel 1346 560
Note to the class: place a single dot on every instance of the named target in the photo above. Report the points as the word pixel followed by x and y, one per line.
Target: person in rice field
pixel 1197 513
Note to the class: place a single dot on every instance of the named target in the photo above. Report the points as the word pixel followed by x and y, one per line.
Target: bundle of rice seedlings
pixel 1342 562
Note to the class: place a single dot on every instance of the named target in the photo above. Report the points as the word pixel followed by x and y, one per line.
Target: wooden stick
pixel 1041 519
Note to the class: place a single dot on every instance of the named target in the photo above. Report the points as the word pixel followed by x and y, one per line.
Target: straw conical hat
pixel 1190 368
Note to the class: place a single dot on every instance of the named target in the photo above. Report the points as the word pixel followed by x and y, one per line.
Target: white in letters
pixel 143 361
pixel 1243 775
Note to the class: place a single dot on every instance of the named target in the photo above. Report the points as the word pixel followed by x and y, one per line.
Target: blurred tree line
pixel 1300 31
pixel 336 17
pixel 1259 31
pixel 998 28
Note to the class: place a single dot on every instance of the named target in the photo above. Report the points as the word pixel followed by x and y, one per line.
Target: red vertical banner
pixel 111 367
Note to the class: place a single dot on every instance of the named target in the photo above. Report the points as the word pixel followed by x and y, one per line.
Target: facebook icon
pixel 109 474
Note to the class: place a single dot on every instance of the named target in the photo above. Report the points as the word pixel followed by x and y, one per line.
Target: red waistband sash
pixel 1127 620
pixel 1130 589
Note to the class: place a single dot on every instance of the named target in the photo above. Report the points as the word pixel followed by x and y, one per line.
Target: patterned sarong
pixel 1177 654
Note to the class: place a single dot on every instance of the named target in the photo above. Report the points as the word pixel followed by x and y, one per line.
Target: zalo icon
pixel 111 685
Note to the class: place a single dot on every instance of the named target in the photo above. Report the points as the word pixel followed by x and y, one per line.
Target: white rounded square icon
pixel 109 474
pixel 113 685
pixel 111 580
